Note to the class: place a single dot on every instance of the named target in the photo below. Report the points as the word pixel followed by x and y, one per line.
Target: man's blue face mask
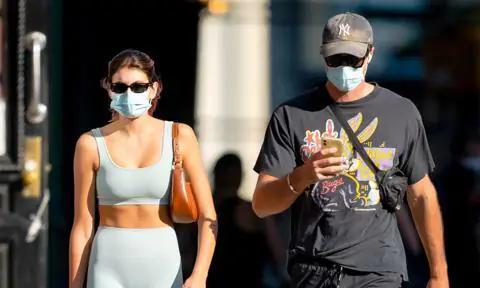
pixel 345 71
pixel 345 78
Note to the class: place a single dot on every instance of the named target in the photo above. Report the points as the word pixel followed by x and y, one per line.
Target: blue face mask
pixel 345 78
pixel 130 104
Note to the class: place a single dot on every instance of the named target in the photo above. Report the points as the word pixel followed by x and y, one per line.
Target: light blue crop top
pixel 123 186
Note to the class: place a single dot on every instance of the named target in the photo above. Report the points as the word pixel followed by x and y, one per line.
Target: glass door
pixel 23 143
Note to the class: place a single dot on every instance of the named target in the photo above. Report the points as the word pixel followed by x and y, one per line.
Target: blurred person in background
pixel 126 165
pixel 242 251
pixel 342 236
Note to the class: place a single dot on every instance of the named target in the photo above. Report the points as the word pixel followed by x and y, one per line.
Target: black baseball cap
pixel 346 33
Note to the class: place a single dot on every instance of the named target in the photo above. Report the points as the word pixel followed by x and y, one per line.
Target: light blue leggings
pixel 136 258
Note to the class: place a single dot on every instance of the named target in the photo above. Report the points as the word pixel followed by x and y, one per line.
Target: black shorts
pixel 329 275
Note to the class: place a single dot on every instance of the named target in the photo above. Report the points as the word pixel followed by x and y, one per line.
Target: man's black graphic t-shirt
pixel 341 219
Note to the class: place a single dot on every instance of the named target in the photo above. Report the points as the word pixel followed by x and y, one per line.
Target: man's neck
pixel 359 92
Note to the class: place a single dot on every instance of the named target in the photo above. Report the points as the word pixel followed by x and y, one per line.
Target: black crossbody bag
pixel 392 183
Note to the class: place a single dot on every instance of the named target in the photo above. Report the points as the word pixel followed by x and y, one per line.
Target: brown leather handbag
pixel 183 207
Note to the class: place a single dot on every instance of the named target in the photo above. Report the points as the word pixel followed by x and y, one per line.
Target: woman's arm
pixel 81 235
pixel 207 221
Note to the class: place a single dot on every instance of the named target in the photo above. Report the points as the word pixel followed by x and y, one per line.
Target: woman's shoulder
pixel 86 143
pixel 185 132
pixel 185 129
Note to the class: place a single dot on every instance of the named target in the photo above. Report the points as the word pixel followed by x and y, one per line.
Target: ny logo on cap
pixel 344 30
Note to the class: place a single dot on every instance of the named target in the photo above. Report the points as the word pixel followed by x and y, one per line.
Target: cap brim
pixel 356 49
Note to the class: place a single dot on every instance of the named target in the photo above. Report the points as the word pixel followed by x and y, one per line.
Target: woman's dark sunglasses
pixel 120 87
pixel 344 60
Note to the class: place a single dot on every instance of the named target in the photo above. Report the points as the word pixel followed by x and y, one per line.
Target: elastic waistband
pixel 316 262
pixel 102 227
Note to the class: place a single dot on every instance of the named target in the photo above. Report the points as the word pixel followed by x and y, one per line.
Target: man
pixel 342 236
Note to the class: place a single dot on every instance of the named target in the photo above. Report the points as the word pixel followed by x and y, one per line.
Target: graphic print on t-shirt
pixel 356 188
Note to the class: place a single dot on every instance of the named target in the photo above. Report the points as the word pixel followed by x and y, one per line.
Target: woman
pixel 127 165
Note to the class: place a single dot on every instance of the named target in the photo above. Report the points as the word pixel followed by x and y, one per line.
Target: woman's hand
pixel 195 282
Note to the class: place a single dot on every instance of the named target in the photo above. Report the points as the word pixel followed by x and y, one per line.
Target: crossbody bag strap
pixel 353 138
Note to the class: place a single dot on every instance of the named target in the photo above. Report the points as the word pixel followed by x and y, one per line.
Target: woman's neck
pixel 133 125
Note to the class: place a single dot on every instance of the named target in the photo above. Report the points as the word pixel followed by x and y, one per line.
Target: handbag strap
pixel 353 138
pixel 177 157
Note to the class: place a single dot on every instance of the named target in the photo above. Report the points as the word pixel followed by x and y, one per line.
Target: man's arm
pixel 273 195
pixel 423 202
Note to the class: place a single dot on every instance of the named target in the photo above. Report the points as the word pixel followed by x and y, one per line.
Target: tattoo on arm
pixel 213 225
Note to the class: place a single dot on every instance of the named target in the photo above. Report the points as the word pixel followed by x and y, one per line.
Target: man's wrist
pixel 291 187
pixel 299 179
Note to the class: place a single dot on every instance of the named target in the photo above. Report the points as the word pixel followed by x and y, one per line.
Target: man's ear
pixel 370 55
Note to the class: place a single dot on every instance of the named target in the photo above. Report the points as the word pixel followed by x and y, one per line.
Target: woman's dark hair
pixel 131 58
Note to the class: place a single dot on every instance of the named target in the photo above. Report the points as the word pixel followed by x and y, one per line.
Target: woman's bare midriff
pixel 135 216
